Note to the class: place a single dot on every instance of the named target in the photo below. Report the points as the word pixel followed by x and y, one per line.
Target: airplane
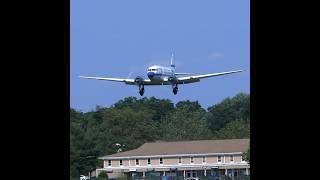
pixel 160 75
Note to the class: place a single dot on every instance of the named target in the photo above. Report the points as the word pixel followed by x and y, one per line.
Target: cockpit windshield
pixel 151 69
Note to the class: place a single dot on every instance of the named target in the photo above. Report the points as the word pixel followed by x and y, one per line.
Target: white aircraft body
pixel 159 75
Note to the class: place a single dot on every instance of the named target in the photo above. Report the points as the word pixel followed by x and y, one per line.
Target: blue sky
pixel 121 38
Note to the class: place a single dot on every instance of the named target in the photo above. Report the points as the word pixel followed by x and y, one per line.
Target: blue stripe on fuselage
pixel 152 74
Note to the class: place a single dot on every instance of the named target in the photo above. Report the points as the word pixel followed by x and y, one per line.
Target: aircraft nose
pixel 150 74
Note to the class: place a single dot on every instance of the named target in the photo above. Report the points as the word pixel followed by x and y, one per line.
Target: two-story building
pixel 181 158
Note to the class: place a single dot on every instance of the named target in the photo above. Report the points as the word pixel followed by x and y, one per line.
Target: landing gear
pixel 175 89
pixel 141 89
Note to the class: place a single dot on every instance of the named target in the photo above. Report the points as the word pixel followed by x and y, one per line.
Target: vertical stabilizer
pixel 173 66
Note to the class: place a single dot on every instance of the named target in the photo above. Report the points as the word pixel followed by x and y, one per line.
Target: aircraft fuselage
pixel 160 73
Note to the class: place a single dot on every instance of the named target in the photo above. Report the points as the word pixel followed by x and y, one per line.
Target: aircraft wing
pixel 192 79
pixel 127 81
pixel 177 74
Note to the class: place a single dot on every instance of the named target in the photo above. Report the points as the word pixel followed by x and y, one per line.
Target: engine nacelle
pixel 171 79
pixel 138 80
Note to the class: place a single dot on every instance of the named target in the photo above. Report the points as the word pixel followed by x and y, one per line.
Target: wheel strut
pixel 141 89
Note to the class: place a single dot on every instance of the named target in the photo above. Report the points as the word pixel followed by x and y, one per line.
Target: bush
pixel 102 176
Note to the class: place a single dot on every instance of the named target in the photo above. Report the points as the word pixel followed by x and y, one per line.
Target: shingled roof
pixel 186 147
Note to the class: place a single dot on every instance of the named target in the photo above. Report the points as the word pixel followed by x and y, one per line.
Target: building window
pixel 109 162
pixel 191 160
pixel 231 158
pixel 120 162
pixel 219 158
pixel 161 161
pixel 149 161
pixel 203 159
pixel 179 160
pixel 137 162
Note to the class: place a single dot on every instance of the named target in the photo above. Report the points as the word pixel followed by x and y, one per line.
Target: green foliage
pixel 246 156
pixel 190 106
pixel 235 130
pixel 159 107
pixel 102 176
pixel 73 172
pixel 128 127
pixel 131 122
pixel 187 122
pixel 228 110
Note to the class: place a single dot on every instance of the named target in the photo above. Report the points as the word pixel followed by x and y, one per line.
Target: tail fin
pixel 173 66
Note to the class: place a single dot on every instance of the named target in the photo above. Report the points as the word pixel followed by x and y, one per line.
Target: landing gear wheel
pixel 175 89
pixel 141 90
pixel 141 93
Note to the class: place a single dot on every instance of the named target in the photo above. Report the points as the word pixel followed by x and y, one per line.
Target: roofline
pixel 169 155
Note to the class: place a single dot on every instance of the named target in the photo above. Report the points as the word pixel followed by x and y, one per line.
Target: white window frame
pixel 137 164
pixel 191 160
pixel 109 163
pixel 218 159
pixel 160 161
pixel 205 160
pixel 180 160
pixel 242 159
pixel 120 162
pixel 149 162
pixel 232 158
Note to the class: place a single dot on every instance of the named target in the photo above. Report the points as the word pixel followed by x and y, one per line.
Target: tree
pixel 159 107
pixel 228 110
pixel 76 138
pixel 185 123
pixel 73 172
pixel 190 106
pixel 127 126
pixel 234 130
pixel 246 156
